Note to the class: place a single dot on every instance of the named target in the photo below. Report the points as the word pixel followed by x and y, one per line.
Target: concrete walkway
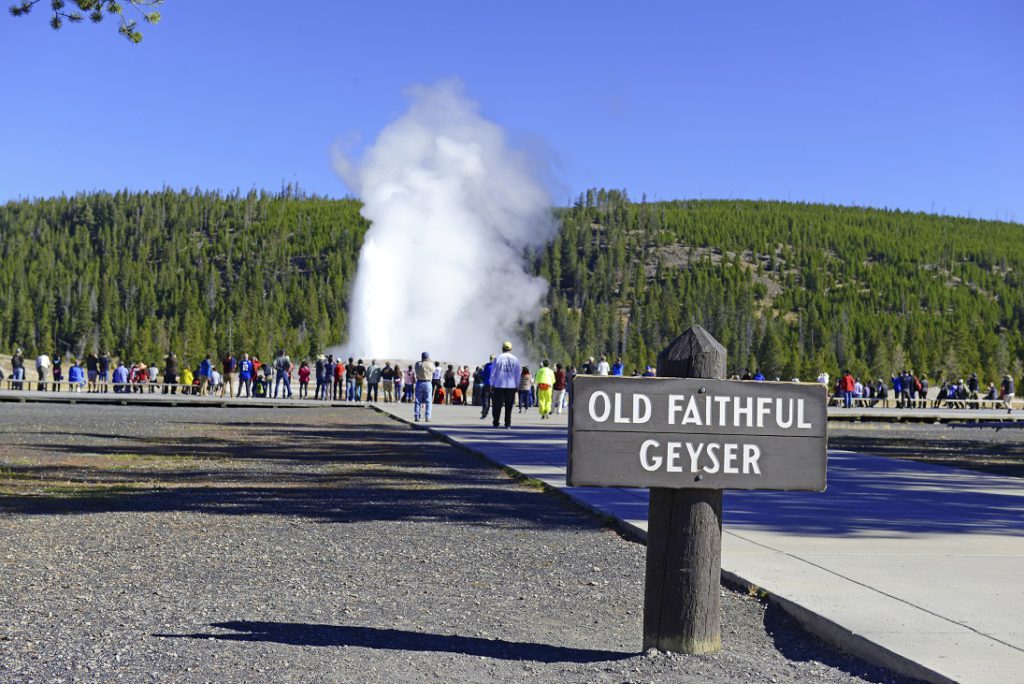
pixel 915 567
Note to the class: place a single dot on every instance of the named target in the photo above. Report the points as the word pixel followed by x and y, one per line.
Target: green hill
pixel 790 288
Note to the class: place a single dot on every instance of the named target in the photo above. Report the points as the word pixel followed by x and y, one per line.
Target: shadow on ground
pixel 336 474
pixel 301 634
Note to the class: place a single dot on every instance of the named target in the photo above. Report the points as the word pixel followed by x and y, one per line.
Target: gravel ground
pixel 313 545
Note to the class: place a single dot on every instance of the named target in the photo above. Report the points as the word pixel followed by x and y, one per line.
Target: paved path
pixel 916 567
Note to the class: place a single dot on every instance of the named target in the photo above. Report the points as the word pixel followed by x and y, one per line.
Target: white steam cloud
pixel 452 208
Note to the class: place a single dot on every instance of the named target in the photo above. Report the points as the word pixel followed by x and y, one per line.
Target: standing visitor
pixel 558 388
pixel 205 368
pixel 424 373
pixel 304 380
pixel 104 370
pixel 617 367
pixel 410 385
pixel 387 376
pixel 58 372
pixel 487 390
pixel 92 370
pixel 505 376
pixel 1008 391
pixel 846 387
pixel 350 380
pixel 398 381
pixel 325 368
pixel 449 383
pixel 283 366
pixel 43 371
pixel 171 373
pixel 525 387
pixel 340 378
pixel 268 380
pixel 17 369
pixel 245 372
pixel 603 368
pixel 464 383
pixel 320 375
pixel 373 375
pixel 360 377
pixel 435 380
pixel 153 373
pixel 230 366
pixel 545 388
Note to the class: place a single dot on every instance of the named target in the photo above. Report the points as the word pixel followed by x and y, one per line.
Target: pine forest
pixel 789 288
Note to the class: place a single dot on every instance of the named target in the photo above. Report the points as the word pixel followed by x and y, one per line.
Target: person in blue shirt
pixel 204 374
pixel 617 367
pixel 758 376
pixel 76 376
pixel 485 393
pixel 897 388
pixel 120 378
pixel 245 370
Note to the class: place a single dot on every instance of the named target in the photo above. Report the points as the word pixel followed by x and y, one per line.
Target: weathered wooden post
pixel 682 604
pixel 687 435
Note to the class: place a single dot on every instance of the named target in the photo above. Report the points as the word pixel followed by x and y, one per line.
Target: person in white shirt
pixel 505 375
pixel 43 369
pixel 603 368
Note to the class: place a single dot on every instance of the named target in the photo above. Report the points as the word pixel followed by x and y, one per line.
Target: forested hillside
pixel 790 288
pixel 196 272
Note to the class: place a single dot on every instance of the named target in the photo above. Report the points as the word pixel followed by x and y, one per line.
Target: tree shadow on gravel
pixel 301 634
pixel 332 474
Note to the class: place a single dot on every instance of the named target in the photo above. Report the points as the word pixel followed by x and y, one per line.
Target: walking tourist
pixel 545 388
pixel 505 376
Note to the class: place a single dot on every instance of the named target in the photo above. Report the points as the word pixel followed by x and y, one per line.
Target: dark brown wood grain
pixel 682 605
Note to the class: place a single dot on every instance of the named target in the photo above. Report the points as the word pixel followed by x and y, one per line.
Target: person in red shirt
pixel 846 386
pixel 304 380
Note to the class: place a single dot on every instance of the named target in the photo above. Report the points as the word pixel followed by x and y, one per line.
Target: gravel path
pixel 312 545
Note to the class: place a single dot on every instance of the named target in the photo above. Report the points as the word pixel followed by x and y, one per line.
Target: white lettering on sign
pixel 726 411
pixel 593 403
pixel 718 457
pixel 613 407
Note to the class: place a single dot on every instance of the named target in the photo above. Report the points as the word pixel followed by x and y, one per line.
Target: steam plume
pixel 452 207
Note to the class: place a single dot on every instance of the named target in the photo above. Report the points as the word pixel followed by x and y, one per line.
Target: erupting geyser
pixel 452 208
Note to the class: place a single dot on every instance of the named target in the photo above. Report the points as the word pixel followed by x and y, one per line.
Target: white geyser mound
pixel 452 208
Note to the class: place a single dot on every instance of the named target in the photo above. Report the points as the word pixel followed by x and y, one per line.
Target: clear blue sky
pixel 914 104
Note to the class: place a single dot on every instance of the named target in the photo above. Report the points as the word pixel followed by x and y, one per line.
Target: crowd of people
pixel 338 379
pixel 908 390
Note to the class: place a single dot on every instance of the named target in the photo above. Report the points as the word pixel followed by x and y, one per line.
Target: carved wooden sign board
pixel 689 433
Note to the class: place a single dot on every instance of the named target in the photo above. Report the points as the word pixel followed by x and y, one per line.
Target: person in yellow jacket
pixel 186 379
pixel 545 382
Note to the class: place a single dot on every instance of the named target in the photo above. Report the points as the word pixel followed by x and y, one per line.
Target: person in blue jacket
pixel 76 376
pixel 897 388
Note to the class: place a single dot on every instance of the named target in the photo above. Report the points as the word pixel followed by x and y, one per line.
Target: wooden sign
pixel 692 433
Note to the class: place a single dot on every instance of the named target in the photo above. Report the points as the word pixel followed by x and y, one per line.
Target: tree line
pixel 789 288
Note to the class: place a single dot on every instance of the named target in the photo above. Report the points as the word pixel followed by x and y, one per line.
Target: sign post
pixel 688 435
